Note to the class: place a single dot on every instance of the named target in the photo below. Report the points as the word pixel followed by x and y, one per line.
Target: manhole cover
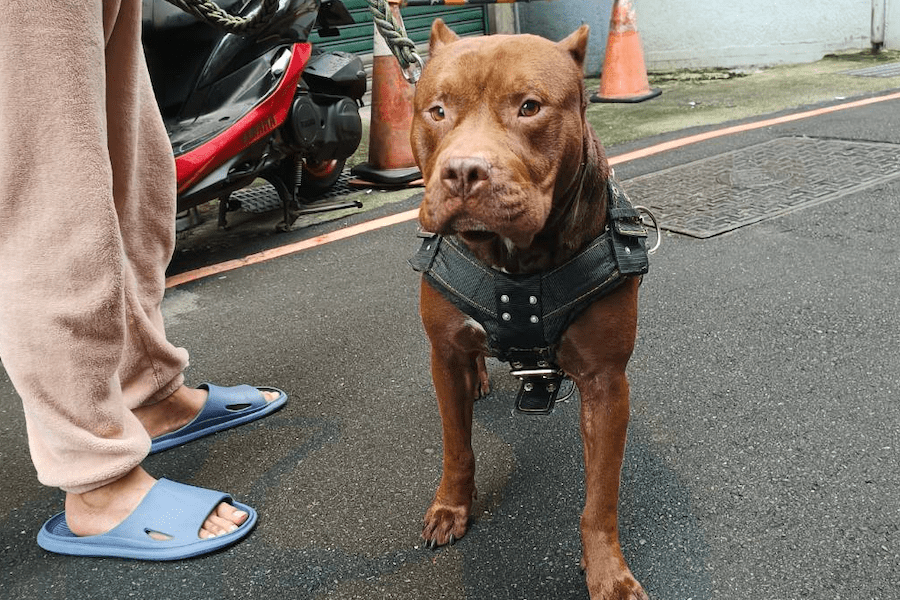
pixel 885 70
pixel 723 192
pixel 263 197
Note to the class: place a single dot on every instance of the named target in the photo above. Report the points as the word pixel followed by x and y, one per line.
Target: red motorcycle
pixel 262 104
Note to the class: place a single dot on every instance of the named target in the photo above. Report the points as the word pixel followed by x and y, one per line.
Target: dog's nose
pixel 464 176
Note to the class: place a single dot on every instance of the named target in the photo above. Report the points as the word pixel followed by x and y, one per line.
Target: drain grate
pixel 714 195
pixel 885 70
pixel 263 197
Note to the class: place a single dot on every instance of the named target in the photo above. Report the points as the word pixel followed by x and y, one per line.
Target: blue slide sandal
pixel 173 509
pixel 225 408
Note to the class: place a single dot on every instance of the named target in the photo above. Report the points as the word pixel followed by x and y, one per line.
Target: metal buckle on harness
pixel 540 387
pixel 523 373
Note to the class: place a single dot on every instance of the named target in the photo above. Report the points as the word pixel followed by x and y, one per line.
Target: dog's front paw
pixel 622 590
pixel 608 576
pixel 444 524
pixel 623 587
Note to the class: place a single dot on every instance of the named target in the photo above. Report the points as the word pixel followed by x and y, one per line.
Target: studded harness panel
pixel 525 315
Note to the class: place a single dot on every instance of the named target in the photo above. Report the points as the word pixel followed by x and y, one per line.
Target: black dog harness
pixel 525 315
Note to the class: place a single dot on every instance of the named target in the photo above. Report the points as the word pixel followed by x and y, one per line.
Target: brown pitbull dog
pixel 515 174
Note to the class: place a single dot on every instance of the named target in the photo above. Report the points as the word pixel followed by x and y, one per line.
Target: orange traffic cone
pixel 624 76
pixel 391 158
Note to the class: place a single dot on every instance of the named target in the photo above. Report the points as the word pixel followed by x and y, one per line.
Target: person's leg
pixel 68 292
pixel 143 170
pixel 144 193
pixel 62 307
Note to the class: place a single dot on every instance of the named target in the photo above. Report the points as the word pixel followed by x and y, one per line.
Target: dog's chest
pixel 525 316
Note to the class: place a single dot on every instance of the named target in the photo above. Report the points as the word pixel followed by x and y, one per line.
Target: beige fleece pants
pixel 87 203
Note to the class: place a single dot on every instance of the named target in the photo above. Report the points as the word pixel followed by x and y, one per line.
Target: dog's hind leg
pixel 483 387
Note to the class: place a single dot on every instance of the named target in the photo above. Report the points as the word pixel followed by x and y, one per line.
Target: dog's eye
pixel 437 113
pixel 529 108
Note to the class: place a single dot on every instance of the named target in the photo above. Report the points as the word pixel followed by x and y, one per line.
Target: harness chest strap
pixel 525 315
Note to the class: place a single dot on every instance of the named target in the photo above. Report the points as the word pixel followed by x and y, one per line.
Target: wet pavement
pixel 763 446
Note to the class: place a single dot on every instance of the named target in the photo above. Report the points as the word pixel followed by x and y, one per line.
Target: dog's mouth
pixel 477 237
pixel 472 231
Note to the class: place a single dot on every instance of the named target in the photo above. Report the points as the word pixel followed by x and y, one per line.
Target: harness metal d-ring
pixel 656 226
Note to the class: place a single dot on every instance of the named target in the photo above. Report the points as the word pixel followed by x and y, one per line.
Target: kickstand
pixel 223 210
pixel 284 179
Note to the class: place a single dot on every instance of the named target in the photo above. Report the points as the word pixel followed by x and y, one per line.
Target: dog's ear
pixel 576 44
pixel 441 35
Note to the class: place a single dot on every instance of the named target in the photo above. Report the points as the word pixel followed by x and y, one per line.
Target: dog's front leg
pixel 604 422
pixel 598 369
pixel 456 352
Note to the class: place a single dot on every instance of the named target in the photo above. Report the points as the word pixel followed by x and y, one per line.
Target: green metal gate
pixel 464 20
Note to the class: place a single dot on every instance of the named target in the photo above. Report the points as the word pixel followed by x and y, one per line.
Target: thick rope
pixel 212 13
pixel 394 33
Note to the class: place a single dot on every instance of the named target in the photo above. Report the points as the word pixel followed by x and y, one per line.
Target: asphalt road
pixel 763 449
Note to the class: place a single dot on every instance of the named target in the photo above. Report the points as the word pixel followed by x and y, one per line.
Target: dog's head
pixel 499 133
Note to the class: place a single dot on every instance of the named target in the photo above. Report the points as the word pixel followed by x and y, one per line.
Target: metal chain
pixel 394 33
pixel 216 16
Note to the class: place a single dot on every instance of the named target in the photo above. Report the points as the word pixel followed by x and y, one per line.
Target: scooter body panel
pixel 262 118
pixel 237 107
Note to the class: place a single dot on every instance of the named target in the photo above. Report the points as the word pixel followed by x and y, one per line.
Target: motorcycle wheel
pixel 320 176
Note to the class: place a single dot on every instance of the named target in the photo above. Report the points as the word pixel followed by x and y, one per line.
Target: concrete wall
pixel 715 33
pixel 700 33
pixel 559 18
pixel 502 18
pixel 892 24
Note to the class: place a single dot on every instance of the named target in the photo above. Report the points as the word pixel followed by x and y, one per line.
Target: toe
pixel 219 526
pixel 226 519
pixel 229 513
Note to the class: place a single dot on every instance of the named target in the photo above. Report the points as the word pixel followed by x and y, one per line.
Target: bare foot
pixel 177 410
pixel 98 511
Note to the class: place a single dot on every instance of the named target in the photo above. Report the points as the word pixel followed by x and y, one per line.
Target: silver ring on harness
pixel 656 226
